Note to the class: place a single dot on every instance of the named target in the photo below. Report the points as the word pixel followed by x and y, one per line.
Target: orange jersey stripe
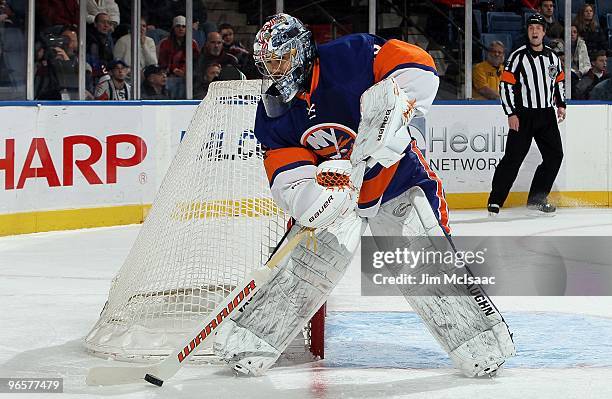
pixel 374 188
pixel 560 77
pixel 275 160
pixel 313 83
pixel 443 205
pixel 396 52
pixel 508 77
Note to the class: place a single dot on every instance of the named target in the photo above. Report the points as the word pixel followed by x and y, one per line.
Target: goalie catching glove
pixel 383 135
pixel 327 198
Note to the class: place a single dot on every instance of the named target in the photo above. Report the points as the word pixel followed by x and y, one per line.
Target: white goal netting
pixel 212 221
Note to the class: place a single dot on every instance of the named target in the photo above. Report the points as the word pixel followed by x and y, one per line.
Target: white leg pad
pixel 281 309
pixel 462 318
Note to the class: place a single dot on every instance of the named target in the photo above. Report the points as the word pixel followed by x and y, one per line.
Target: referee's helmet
pixel 536 19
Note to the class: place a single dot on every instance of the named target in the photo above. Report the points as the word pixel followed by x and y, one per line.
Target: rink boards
pixel 88 164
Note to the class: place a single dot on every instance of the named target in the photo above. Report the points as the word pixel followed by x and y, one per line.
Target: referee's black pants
pixel 541 125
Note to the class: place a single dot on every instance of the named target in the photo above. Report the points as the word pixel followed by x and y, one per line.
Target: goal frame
pixel 219 146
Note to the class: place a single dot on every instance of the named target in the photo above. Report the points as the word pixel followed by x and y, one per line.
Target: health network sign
pixel 464 145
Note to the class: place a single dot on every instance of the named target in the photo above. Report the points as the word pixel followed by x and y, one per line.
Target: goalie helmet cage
pixel 213 220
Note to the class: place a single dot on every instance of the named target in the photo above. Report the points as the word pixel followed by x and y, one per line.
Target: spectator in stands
pixel 148 54
pixel 238 50
pixel 57 12
pixel 99 44
pixel 580 54
pixel 596 74
pixel 95 7
pixel 602 91
pixel 57 70
pixel 486 75
pixel 589 29
pixel 173 57
pixel 113 87
pixel 230 45
pixel 156 34
pixel 154 84
pixel 557 46
pixel 159 10
pixel 20 12
pixel 159 25
pixel 554 29
pixel 214 53
pixel 198 35
pixel 89 82
pixel 7 16
pixel 211 73
pixel 560 52
pixel 13 50
pixel 156 13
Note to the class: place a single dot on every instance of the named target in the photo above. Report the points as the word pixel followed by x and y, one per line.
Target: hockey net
pixel 212 221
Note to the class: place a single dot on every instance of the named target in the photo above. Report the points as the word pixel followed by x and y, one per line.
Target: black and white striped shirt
pixel 532 80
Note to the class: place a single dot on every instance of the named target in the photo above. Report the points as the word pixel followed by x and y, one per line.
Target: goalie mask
pixel 284 52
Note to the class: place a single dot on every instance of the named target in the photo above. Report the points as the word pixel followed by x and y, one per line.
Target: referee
pixel 531 85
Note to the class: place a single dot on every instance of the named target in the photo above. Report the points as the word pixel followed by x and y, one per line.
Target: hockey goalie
pixel 339 157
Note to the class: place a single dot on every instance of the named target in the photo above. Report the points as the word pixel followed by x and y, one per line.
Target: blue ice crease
pixel 401 340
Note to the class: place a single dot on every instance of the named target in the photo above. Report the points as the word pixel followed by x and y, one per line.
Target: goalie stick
pixel 157 373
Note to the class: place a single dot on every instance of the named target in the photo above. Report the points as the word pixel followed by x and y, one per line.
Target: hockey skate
pixel 541 208
pixel 492 371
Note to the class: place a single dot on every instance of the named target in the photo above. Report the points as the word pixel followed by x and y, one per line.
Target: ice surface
pixel 53 286
pixel 352 342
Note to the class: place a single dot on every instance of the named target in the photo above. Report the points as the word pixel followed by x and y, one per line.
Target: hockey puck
pixel 153 380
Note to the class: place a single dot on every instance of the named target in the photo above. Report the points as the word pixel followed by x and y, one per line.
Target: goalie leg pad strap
pixel 462 318
pixel 282 307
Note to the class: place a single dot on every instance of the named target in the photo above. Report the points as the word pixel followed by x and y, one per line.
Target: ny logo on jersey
pixel 330 140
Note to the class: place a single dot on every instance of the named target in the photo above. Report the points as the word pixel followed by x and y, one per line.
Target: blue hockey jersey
pixel 322 123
